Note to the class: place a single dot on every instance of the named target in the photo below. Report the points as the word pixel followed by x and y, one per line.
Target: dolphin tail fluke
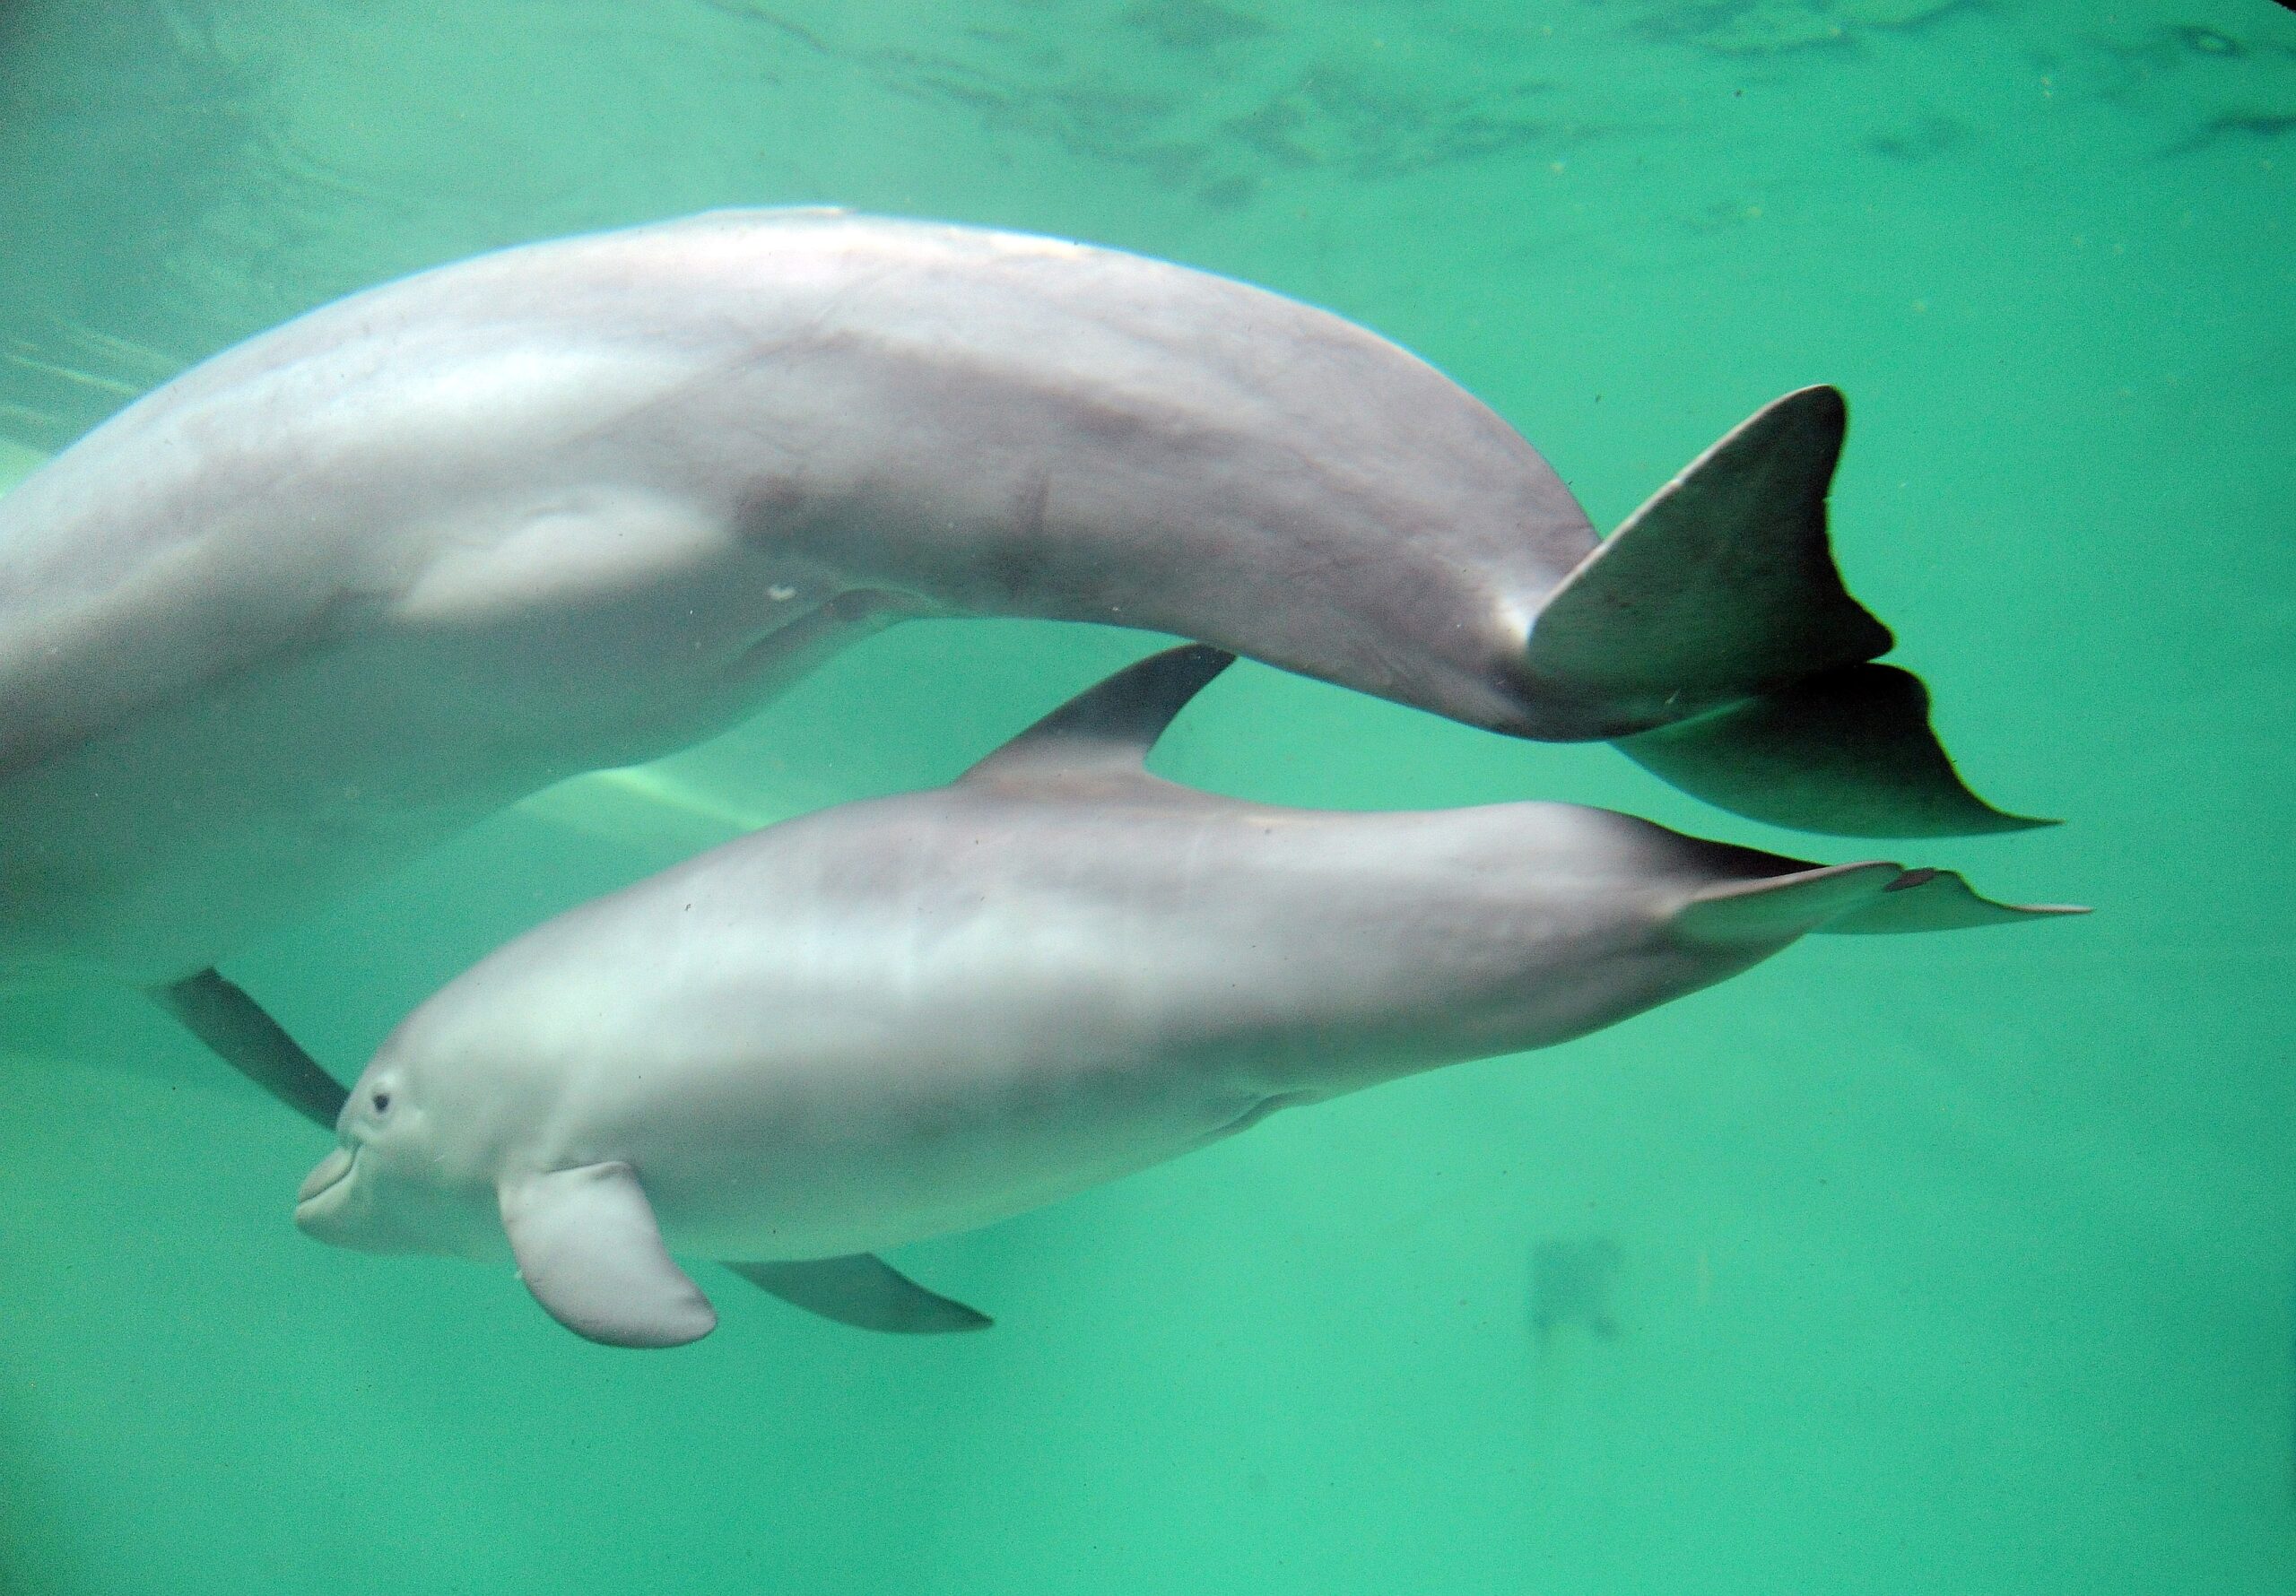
pixel 1848 751
pixel 1775 909
pixel 1939 900
pixel 236 1029
pixel 1864 897
pixel 1712 638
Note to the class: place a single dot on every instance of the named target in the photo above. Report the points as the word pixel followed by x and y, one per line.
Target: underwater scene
pixel 926 659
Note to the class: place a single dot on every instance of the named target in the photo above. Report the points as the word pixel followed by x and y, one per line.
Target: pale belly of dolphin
pixel 172 841
pixel 123 869
pixel 874 1177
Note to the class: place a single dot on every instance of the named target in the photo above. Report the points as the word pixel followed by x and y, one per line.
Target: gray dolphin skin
pixel 328 598
pixel 898 1018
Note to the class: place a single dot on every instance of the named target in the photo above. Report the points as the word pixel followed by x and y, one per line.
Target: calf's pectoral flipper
pixel 862 1291
pixel 589 1250
pixel 1712 639
pixel 236 1029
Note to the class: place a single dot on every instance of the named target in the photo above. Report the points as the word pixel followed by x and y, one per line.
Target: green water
pixel 1940 1264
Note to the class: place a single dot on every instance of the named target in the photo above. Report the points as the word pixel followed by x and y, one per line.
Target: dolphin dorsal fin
pixel 1105 732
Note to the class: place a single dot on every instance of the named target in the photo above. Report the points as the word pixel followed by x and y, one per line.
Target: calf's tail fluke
pixel 1711 639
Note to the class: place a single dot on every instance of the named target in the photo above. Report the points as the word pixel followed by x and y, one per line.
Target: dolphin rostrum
pixel 325 599
pixel 897 1019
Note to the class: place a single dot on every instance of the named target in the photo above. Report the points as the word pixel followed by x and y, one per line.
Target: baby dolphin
pixel 898 1018
pixel 319 604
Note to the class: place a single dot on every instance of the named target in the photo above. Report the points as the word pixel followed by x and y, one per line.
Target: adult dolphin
pixel 893 1020
pixel 344 589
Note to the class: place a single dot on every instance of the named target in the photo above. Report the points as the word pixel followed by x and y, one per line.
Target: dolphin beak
pixel 328 1173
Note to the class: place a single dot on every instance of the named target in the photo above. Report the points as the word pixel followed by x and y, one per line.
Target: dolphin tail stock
pixel 236 1029
pixel 1712 640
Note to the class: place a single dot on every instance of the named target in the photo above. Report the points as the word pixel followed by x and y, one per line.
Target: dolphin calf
pixel 318 604
pixel 897 1019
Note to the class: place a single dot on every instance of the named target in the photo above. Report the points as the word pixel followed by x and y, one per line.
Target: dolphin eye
pixel 382 1102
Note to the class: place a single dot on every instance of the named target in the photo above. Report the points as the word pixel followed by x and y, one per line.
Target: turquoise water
pixel 1953 1263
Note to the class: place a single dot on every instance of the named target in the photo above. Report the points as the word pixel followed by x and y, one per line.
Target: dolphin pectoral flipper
pixel 1712 637
pixel 238 1030
pixel 862 1291
pixel 589 1250
pixel 806 644
pixel 1939 900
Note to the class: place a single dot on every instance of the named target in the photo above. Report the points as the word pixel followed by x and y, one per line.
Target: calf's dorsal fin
pixel 1105 732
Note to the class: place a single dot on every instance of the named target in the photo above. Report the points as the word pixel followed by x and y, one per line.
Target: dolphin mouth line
pixel 331 1172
